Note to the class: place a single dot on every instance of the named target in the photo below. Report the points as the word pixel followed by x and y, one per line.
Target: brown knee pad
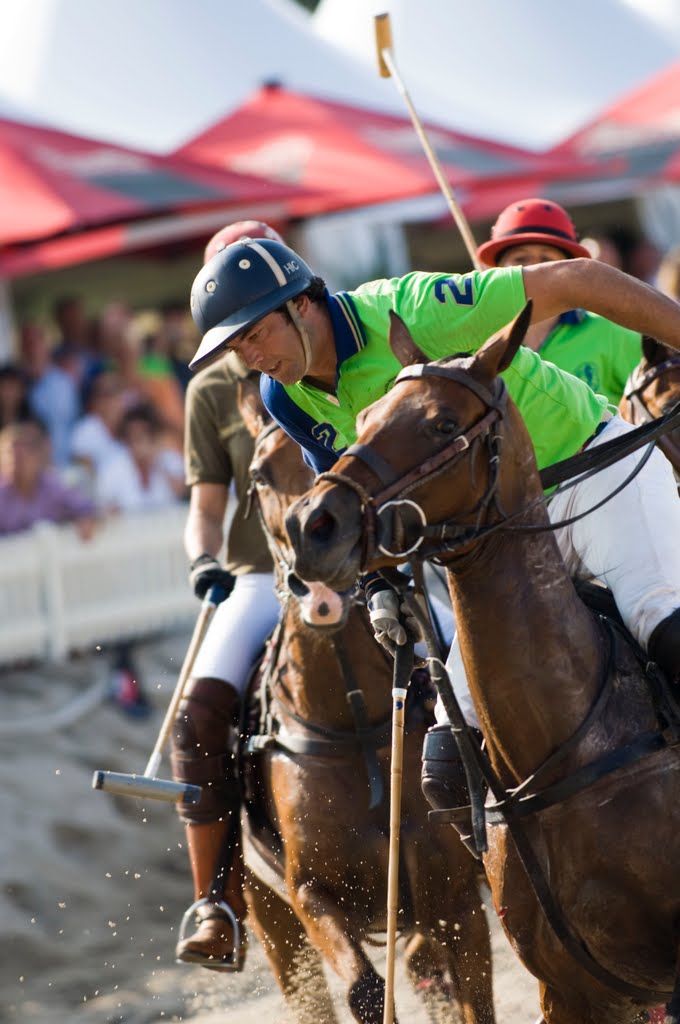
pixel 203 748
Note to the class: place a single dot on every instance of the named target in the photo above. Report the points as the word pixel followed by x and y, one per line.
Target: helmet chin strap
pixel 304 336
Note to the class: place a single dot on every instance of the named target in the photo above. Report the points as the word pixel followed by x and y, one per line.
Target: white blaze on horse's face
pixel 322 607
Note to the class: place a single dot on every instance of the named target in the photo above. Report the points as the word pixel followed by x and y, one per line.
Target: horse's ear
pixel 402 344
pixel 251 406
pixel 650 348
pixel 498 352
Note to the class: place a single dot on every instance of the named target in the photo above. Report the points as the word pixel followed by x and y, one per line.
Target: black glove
pixel 206 572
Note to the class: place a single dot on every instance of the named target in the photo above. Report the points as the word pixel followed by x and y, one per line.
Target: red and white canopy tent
pixel 351 156
pixel 66 199
pixel 634 143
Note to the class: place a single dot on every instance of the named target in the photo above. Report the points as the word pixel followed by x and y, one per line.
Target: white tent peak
pixel 151 75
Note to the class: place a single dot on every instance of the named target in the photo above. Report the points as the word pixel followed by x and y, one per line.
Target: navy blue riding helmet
pixel 238 286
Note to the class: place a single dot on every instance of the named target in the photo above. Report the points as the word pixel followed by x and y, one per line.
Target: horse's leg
pixel 329 930
pixel 426 967
pixel 461 931
pixel 569 1009
pixel 672 1015
pixel 295 963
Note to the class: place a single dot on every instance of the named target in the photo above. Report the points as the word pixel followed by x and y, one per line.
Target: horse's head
pixel 278 476
pixel 427 455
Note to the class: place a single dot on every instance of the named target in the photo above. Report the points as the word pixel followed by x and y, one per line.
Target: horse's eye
pixel 446 426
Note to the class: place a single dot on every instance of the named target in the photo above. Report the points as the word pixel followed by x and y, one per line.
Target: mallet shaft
pixel 388 69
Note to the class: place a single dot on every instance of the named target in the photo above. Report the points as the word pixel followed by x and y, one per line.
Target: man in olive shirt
pixel 218 451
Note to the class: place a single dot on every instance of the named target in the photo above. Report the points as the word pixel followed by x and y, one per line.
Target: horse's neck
pixel 529 647
pixel 314 673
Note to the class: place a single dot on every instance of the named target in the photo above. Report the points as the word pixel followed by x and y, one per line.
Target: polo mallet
pixel 147 785
pixel 403 667
pixel 388 69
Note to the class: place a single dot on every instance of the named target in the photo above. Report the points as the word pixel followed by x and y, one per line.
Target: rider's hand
pixel 206 572
pixel 384 612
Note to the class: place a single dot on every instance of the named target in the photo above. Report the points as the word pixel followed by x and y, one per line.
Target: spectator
pixel 52 393
pixel 30 488
pixel 13 394
pixel 176 337
pixel 74 352
pixel 143 475
pixel 94 441
pixel 146 370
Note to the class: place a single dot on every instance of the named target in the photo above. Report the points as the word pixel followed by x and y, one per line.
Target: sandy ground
pixel 93 887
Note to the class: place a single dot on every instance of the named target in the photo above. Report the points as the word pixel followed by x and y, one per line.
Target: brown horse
pixel 586 881
pixel 328 890
pixel 651 390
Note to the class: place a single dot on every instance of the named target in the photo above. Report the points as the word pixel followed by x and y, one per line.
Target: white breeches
pixel 631 544
pixel 238 629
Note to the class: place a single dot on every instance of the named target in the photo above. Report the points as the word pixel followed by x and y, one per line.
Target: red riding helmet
pixel 531 220
pixel 239 229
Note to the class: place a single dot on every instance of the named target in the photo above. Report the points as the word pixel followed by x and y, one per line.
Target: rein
pixel 636 385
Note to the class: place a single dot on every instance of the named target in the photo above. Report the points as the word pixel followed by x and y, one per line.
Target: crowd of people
pixel 92 416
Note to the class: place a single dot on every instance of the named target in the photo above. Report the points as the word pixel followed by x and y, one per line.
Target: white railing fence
pixel 59 593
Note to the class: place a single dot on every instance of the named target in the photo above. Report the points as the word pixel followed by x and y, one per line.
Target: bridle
pixel 449 537
pixel 636 385
pixel 288 584
pixel 432 539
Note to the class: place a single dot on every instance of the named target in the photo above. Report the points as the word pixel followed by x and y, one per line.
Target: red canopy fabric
pixel 98 243
pixel 635 141
pixel 348 155
pixel 52 182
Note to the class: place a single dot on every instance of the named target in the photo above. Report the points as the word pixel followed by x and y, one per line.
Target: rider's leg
pixel 443 778
pixel 203 754
pixel 631 543
pixel 664 646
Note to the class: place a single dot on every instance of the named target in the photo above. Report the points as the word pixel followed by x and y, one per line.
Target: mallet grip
pixel 140 785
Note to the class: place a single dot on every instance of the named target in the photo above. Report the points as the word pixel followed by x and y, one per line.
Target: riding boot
pixel 444 783
pixel 212 943
pixel 204 755
pixel 663 646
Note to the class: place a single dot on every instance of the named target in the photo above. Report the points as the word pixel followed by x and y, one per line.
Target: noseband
pixel 432 539
pixel 636 385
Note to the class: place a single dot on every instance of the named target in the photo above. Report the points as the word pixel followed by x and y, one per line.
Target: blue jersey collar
pixel 348 330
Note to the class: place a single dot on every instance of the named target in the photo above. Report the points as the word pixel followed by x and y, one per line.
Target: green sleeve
pixel 458 313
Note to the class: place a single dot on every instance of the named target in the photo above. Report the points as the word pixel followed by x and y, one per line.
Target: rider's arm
pixel 588 284
pixel 203 532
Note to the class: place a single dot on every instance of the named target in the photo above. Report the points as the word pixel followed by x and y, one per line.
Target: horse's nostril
pixel 297 587
pixel 321 525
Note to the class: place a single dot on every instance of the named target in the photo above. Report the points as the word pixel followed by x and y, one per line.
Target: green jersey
pixel 446 315
pixel 600 352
